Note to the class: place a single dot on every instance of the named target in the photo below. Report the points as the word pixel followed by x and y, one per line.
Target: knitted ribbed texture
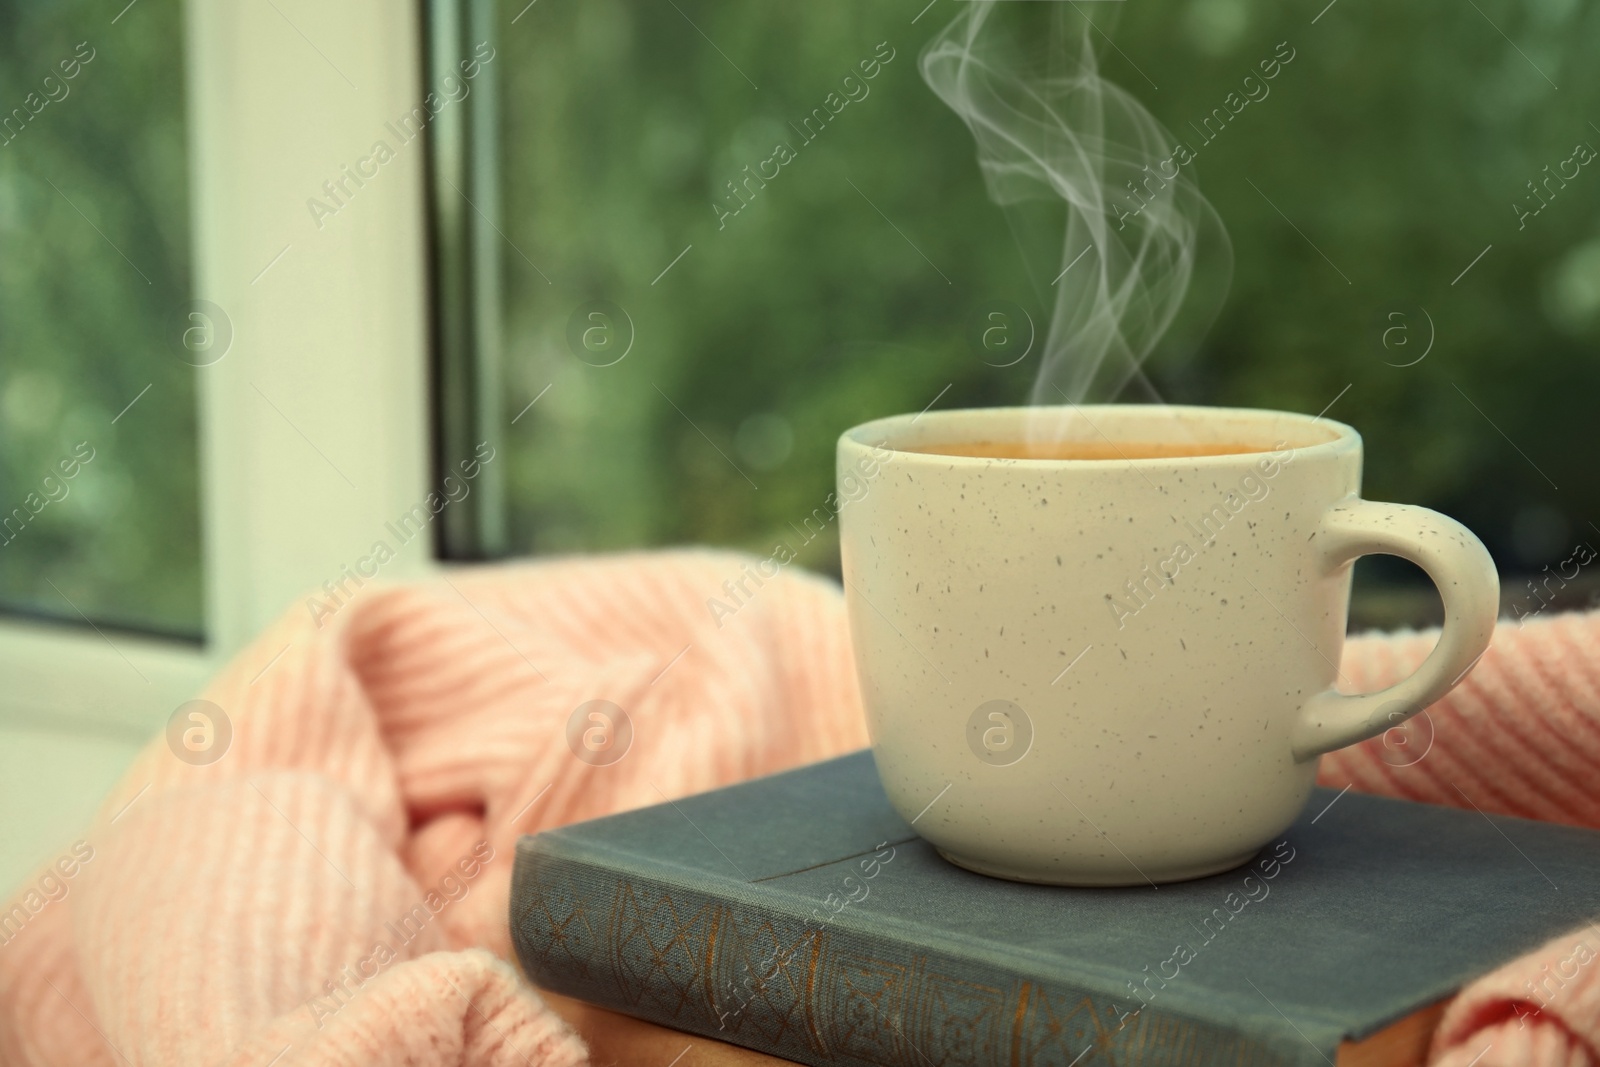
pixel 333 890
pixel 1519 736
pixel 230 912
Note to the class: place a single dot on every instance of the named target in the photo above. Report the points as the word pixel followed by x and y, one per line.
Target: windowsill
pixel 117 685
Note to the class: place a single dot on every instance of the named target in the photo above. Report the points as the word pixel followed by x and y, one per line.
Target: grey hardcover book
pixel 800 916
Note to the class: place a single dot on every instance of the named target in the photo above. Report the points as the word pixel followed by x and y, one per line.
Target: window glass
pixel 98 344
pixel 1414 220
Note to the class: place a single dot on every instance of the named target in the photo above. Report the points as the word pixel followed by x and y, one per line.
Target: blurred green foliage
pixel 1392 149
pixel 94 270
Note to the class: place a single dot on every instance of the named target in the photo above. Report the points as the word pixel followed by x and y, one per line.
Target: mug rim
pixel 890 432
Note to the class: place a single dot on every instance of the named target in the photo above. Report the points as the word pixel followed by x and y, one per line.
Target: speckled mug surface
pixel 1119 671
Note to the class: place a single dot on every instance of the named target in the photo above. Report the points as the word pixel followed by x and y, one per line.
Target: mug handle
pixel 1468 584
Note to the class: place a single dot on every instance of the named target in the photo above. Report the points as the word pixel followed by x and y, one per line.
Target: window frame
pixel 332 323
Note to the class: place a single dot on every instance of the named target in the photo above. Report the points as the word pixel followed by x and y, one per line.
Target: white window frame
pixel 315 428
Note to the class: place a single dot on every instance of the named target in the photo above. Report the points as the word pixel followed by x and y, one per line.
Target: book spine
pixel 827 994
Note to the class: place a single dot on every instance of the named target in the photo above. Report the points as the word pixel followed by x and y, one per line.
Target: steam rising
pixel 1133 214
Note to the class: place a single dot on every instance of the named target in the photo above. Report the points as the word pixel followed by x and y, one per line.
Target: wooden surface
pixel 619 1041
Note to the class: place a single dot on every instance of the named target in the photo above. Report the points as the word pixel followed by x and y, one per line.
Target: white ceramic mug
pixel 1119 671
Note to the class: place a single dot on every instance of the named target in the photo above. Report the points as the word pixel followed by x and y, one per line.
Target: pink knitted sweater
pixel 332 890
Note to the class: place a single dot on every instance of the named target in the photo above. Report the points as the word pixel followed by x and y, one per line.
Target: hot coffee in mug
pixel 1108 655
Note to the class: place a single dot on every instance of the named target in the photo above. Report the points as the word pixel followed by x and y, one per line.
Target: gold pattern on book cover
pixel 691 963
